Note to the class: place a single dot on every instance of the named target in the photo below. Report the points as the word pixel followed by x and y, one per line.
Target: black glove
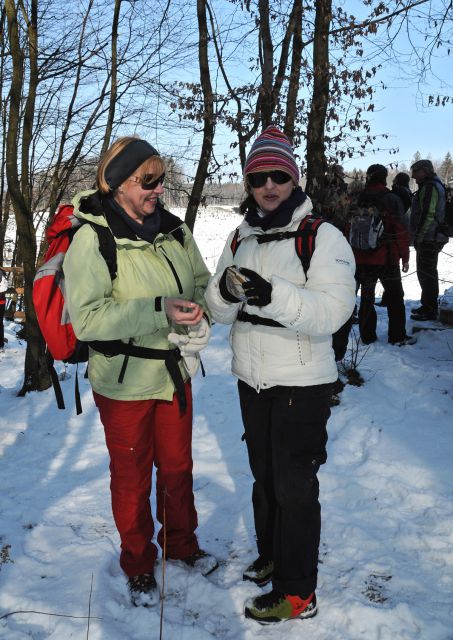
pixel 257 289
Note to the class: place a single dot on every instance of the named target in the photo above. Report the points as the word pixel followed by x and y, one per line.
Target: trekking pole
pixel 164 557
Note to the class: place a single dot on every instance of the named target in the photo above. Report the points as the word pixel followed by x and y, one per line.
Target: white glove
pixel 191 343
pixel 196 339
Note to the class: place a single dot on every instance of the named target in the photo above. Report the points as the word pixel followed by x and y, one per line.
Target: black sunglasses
pixel 257 180
pixel 147 183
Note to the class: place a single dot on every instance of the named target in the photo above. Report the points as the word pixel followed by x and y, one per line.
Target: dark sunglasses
pixel 147 183
pixel 257 180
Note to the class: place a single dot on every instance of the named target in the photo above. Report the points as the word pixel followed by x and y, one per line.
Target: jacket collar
pixel 300 212
pixel 94 207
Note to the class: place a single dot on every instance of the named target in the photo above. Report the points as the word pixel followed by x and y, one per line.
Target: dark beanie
pixel 272 151
pixel 423 164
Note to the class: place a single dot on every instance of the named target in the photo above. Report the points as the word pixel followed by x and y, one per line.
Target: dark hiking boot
pixel 201 561
pixel 424 316
pixel 421 312
pixel 143 590
pixel 405 341
pixel 260 572
pixel 276 607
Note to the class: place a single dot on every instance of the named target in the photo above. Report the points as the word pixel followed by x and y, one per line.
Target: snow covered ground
pixel 386 569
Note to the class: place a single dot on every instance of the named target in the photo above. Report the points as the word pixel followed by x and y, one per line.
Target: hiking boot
pixel 143 590
pixel 423 316
pixel 405 341
pixel 276 606
pixel 260 572
pixel 201 561
pixel 418 309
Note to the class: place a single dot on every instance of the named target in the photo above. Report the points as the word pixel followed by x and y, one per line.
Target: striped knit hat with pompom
pixel 272 151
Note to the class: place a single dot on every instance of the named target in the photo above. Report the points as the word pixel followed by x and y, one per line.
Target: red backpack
pixel 49 293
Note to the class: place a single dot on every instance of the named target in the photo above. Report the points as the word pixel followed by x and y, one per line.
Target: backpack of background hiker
pixel 366 227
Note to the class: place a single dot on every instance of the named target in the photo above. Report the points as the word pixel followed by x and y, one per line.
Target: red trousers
pixel 140 434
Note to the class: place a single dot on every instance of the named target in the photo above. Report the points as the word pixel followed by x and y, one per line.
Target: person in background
pixel 382 263
pixel 3 290
pixel 400 187
pixel 281 337
pixel 145 402
pixel 427 213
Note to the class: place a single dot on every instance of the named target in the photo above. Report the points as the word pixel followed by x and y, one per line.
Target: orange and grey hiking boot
pixel 260 571
pixel 276 606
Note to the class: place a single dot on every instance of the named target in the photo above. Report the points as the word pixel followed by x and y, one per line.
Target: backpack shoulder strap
pixel 235 242
pixel 305 240
pixel 107 247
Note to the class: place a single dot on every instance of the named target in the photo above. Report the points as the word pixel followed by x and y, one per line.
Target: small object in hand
pixel 235 272
pixel 235 281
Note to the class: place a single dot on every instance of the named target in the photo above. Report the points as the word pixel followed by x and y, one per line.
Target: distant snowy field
pixel 386 557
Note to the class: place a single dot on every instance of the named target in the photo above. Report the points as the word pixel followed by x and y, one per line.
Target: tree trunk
pixel 36 377
pixel 267 65
pixel 316 158
pixel 294 77
pixel 208 126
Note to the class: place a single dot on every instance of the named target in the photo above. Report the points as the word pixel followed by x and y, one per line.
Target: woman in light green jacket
pixel 145 327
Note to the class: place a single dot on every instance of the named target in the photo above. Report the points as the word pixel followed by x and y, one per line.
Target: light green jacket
pixel 132 305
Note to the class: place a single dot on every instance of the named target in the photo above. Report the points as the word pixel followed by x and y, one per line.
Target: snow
pixel 386 555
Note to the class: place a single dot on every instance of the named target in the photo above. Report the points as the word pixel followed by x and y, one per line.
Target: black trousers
pixel 427 255
pixel 286 436
pixel 390 276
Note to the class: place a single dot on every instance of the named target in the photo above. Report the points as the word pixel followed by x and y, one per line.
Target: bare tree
pixel 208 117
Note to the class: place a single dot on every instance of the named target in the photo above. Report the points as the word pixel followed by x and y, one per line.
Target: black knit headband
pixel 127 161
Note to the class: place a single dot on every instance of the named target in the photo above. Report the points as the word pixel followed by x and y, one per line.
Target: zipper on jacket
pixel 291 397
pixel 173 270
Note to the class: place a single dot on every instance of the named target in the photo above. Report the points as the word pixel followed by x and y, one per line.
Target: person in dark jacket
pixel 382 263
pixel 400 187
pixel 427 214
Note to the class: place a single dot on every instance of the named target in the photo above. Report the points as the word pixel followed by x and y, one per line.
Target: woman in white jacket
pixel 281 339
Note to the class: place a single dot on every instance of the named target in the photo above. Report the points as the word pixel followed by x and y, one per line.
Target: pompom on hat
pixel 272 151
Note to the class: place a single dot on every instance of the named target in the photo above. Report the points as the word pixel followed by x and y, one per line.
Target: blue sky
pixel 410 127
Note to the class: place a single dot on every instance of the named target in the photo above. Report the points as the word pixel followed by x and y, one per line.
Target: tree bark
pixel 208 120
pixel 36 377
pixel 316 158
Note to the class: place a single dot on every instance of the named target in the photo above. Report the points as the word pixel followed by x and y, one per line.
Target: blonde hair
pixel 154 165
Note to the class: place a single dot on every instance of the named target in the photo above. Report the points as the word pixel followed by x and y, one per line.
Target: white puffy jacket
pixel 311 309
